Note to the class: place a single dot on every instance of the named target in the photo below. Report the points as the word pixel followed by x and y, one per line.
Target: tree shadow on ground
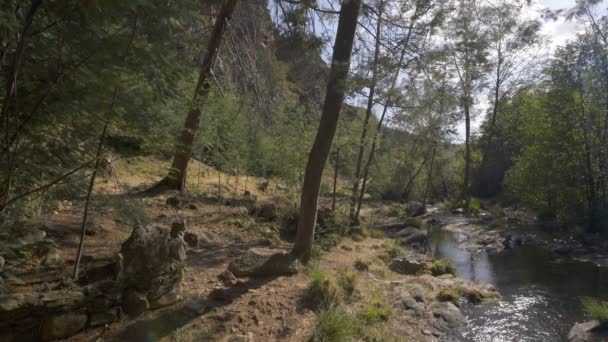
pixel 154 329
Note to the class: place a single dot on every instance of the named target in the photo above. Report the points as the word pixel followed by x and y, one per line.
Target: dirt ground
pixel 255 309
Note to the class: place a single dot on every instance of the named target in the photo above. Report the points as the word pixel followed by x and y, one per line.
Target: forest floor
pixel 389 306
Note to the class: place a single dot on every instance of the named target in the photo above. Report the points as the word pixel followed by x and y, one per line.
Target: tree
pixel 176 179
pixel 368 113
pixel 467 46
pixel 334 96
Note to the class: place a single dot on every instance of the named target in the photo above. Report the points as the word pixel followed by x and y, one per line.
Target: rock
pixel 60 326
pixel 414 209
pixel 407 231
pixel 93 229
pixel 264 262
pixel 416 291
pixel 406 266
pixel 263 186
pixel 153 261
pixel 103 318
pixel 177 228
pixel 134 303
pixel 583 332
pixel 191 239
pixel 52 257
pixel 459 211
pixel 2 263
pixel 447 318
pixel 227 278
pixel 267 211
pixel 173 202
pixel 419 238
pixel 173 296
pixel 192 207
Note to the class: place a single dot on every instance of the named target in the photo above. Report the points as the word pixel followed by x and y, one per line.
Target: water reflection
pixel 541 293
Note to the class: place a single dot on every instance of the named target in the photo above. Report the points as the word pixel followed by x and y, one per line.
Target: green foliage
pixel 413 222
pixel 450 295
pixel 440 267
pixel 131 212
pixel 334 324
pixel 375 313
pixel 323 292
pixel 347 281
pixel 598 309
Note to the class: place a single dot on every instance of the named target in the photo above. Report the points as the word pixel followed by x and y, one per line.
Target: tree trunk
pixel 336 87
pixel 176 179
pixel 368 114
pixel 380 122
pixel 336 164
pixel 429 178
pixel 408 187
pixel 467 154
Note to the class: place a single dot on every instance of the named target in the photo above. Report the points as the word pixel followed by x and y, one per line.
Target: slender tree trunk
pixel 336 87
pixel 429 178
pixel 467 155
pixel 408 187
pixel 83 229
pixel 7 101
pixel 336 164
pixel 368 114
pixel 176 179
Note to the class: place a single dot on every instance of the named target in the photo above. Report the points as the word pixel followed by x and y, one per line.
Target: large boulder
pixel 414 209
pixel 264 262
pixel 590 331
pixel 406 266
pixel 419 237
pixel 153 260
pixel 447 318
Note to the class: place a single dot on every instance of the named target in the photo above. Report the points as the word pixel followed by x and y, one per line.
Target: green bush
pixel 441 267
pixel 598 309
pixel 413 222
pixel 375 313
pixel 451 295
pixel 347 281
pixel 322 291
pixel 334 325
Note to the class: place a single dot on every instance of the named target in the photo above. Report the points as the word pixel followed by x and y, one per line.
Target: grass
pixel 450 295
pixel 347 281
pixel 323 292
pixel 394 211
pixel 375 313
pixel 361 265
pixel 441 267
pixel 413 222
pixel 376 234
pixel 392 250
pixel 598 309
pixel 335 324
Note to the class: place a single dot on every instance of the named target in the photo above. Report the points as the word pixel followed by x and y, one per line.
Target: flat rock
pixel 60 326
pixel 406 266
pixel 264 262
pixel 589 331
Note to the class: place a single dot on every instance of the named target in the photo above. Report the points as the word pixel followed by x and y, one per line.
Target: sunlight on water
pixel 520 318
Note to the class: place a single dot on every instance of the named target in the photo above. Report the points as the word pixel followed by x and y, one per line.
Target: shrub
pixel 598 309
pixel 412 221
pixel 347 280
pixel 334 325
pixel 392 250
pixel 440 267
pixel 376 234
pixel 451 295
pixel 394 211
pixel 375 313
pixel 322 291
pixel 361 265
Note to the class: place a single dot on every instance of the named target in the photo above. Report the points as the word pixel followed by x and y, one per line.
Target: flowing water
pixel 541 292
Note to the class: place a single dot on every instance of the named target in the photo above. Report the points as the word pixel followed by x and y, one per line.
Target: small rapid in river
pixel 541 291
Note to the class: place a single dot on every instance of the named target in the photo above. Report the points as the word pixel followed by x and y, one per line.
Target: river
pixel 541 291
